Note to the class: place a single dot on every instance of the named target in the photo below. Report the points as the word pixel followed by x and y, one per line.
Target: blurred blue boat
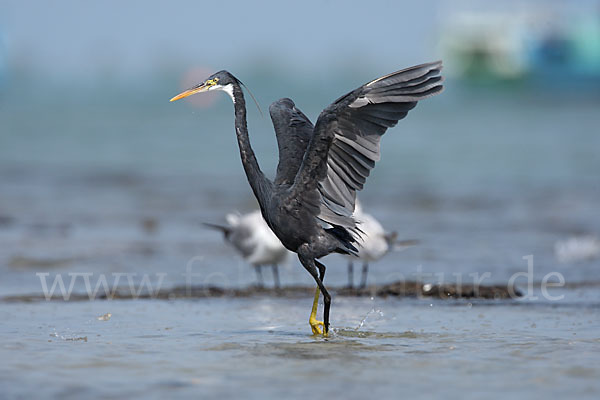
pixel 540 48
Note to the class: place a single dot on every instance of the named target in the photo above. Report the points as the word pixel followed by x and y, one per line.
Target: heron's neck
pixel 260 185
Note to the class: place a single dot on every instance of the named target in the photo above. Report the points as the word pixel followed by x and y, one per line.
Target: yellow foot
pixel 316 326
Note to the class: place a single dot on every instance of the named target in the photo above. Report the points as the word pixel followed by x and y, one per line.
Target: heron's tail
pixel 346 240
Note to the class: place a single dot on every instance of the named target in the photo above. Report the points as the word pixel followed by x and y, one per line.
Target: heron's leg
pixel 313 315
pixel 326 296
pixel 275 275
pixel 258 270
pixel 310 264
pixel 312 320
pixel 365 271
pixel 350 274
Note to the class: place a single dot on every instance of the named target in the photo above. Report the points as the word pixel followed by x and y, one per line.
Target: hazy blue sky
pixel 78 39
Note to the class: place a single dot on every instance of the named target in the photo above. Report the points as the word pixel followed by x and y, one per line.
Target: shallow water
pixel 261 347
pixel 104 187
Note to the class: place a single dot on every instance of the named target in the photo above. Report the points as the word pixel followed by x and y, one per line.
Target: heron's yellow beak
pixel 201 88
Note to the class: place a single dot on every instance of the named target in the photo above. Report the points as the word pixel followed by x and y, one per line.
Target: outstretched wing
pixel 345 144
pixel 293 130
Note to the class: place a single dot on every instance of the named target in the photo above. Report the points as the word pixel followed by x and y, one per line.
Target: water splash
pixel 373 311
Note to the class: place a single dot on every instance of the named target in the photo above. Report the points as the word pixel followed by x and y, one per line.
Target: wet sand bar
pixel 395 289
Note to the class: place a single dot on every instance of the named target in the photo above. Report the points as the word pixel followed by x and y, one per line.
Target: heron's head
pixel 222 80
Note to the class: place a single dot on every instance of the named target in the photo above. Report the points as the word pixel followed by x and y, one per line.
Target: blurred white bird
pixel 253 239
pixel 577 248
pixel 374 243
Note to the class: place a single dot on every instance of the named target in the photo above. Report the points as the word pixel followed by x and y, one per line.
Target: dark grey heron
pixel 310 204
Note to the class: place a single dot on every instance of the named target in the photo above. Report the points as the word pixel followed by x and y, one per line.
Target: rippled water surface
pixel 261 347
